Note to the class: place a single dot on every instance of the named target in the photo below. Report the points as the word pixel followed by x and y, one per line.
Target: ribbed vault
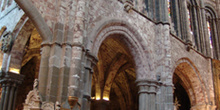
pixel 114 77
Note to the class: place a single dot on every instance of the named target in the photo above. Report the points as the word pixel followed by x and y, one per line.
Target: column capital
pixel 91 57
pixel 10 82
pixel 148 86
pixel 91 60
pixel 10 77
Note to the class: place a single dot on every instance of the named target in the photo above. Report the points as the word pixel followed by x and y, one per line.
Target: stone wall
pixel 200 63
pixel 10 16
pixel 76 27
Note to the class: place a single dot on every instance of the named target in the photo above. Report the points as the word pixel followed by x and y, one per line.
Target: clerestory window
pixel 212 32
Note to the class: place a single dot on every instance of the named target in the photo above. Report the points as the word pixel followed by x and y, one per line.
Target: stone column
pixel 10 82
pixel 196 29
pixel 185 28
pixel 77 53
pixel 165 97
pixel 75 71
pixel 147 94
pixel 207 50
pixel 44 68
pixel 89 64
pixel 175 17
pixel 149 7
pixel 5 61
pixel 161 11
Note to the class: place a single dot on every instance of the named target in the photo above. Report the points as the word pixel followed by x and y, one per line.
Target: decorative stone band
pixel 147 86
pixel 6 77
pixel 63 44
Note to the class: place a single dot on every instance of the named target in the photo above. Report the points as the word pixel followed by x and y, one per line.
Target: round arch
pixel 135 43
pixel 192 82
pixel 135 55
pixel 211 10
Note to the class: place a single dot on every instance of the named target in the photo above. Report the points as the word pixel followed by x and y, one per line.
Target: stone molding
pixel 63 44
pixel 148 86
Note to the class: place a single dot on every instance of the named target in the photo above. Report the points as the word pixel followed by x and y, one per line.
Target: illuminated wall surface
pixel 216 74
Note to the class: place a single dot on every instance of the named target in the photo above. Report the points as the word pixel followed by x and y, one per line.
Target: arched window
pixel 189 16
pixel 195 24
pixel 212 32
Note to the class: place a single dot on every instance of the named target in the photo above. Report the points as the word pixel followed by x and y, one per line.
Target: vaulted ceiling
pixel 115 75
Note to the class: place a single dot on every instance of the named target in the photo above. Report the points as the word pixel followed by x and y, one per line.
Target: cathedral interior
pixel 110 55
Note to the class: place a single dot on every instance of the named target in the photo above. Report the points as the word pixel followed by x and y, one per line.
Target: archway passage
pixel 189 91
pixel 29 67
pixel 113 84
pixel 181 98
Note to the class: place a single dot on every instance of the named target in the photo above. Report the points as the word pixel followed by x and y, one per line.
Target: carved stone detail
pixel 47 106
pixel 6 42
pixel 33 100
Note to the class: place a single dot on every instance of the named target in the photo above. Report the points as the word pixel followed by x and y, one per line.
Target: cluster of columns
pixel 9 82
pixel 154 95
pixel 90 62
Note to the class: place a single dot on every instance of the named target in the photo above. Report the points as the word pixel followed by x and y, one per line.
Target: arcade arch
pixel 186 79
